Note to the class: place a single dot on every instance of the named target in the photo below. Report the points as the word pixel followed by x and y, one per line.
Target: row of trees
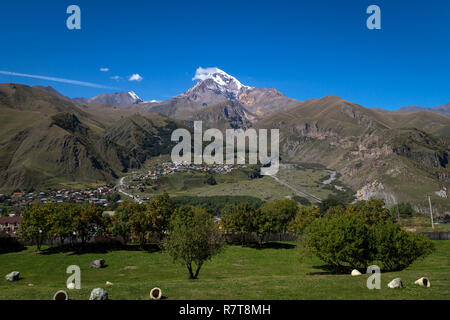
pixel 352 236
pixel 272 217
pixel 63 221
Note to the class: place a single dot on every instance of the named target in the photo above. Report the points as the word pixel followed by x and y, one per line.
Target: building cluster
pixel 22 199
pixel 168 168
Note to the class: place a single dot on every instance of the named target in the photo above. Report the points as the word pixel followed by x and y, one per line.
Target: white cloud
pixel 75 82
pixel 104 69
pixel 135 77
pixel 117 78
pixel 204 73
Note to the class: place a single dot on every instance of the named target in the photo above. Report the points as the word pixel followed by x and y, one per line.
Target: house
pixel 10 225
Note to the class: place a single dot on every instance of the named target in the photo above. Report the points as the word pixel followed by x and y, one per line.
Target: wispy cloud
pixel 75 82
pixel 135 77
pixel 117 78
pixel 104 69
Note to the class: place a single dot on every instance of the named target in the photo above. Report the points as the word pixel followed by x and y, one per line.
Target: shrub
pixel 396 249
pixel 9 244
pixel 362 234
pixel 341 241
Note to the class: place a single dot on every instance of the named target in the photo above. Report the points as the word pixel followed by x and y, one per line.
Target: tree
pixel 193 238
pixel 62 224
pixel 86 220
pixel 304 217
pixel 402 209
pixel 302 200
pixel 239 220
pixel 159 211
pixel 327 204
pixel 139 221
pixel 37 222
pixel 281 212
pixel 121 225
pixel 263 222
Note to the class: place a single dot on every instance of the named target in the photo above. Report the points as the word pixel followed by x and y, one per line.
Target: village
pixel 12 206
pixel 109 197
pixel 170 168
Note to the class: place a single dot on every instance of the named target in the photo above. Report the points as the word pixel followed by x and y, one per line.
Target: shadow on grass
pixel 12 249
pixel 99 248
pixel 9 244
pixel 270 245
pixel 328 270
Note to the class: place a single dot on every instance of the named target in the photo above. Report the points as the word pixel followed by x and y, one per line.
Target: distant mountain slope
pixel 377 154
pixel 444 109
pixel 46 140
pixel 118 99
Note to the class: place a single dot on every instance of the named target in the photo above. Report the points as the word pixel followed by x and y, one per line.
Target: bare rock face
pixel 99 294
pixel 424 282
pixel 396 283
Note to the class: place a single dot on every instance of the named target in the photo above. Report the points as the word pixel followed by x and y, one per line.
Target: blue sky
pixel 306 49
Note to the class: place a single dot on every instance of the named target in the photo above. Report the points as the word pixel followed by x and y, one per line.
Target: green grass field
pixel 238 273
pixel 236 183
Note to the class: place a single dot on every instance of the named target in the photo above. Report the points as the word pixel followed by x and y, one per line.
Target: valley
pixel 48 140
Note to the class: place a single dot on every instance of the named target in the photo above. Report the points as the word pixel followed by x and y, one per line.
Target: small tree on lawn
pixel 193 238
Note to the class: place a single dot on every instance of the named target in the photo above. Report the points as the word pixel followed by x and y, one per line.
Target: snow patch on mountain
pixel 134 97
pixel 221 80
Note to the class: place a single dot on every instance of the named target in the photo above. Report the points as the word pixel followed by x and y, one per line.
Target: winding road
pixel 120 190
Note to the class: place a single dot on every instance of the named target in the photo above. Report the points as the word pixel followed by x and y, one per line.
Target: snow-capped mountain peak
pixel 216 79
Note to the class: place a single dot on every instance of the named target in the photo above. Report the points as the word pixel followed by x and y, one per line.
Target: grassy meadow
pixel 272 272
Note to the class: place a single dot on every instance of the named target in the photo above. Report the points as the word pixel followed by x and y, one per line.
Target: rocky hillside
pixel 376 154
pixel 47 140
pixel 118 99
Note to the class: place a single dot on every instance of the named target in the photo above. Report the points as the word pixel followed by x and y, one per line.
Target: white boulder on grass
pixel 99 294
pixel 13 276
pixel 424 282
pixel 396 283
pixel 71 286
pixel 109 283
pixel 355 273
